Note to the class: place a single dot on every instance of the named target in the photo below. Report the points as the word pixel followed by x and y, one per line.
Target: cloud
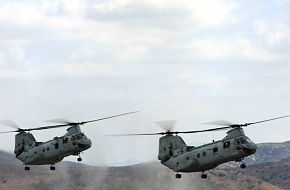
pixel 206 13
pixel 131 53
pixel 19 13
pixel 89 69
pixel 240 48
pixel 272 33
pixel 3 60
pixel 189 60
pixel 24 73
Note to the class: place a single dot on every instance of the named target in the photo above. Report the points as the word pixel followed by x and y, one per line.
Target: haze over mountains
pixel 269 169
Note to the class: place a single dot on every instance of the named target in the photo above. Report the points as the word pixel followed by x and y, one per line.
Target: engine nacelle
pixel 167 145
pixel 23 142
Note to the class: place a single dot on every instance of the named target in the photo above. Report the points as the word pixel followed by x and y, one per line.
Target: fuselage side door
pixel 238 145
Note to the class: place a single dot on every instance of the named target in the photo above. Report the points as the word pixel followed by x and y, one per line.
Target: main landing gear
pixel 52 167
pixel 203 175
pixel 178 176
pixel 79 158
pixel 243 165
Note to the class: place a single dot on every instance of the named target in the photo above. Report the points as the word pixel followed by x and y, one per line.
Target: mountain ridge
pixel 262 173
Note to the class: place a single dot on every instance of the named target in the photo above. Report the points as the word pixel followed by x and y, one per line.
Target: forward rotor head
pixel 167 125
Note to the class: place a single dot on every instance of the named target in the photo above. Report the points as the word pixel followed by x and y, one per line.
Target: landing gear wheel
pixel 178 176
pixel 203 176
pixel 243 166
pixel 26 168
pixel 52 167
pixel 79 159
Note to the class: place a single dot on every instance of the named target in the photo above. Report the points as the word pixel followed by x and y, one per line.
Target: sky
pixel 193 61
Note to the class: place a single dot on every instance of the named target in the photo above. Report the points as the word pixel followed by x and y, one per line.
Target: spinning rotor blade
pixel 231 125
pixel 220 122
pixel 246 124
pixel 59 120
pixel 9 131
pixel 173 132
pixel 67 124
pixel 9 123
pixel 166 125
pixel 84 122
pixel 227 125
pixel 201 131
pixel 138 134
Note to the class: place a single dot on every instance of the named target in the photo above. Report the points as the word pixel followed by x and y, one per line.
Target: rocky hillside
pixel 269 152
pixel 144 177
pixel 272 175
pixel 277 173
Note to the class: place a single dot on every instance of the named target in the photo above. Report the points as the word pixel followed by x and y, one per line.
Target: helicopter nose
pixel 250 148
pixel 85 144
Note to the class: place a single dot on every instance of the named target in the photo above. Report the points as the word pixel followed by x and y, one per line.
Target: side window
pixel 65 140
pixel 170 149
pixel 43 150
pixel 215 149
pixel 238 144
pixel 198 155
pixel 203 153
pixel 47 149
pixel 227 144
pixel 56 145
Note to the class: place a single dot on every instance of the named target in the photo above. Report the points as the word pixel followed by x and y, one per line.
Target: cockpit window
pixel 245 140
pixel 80 136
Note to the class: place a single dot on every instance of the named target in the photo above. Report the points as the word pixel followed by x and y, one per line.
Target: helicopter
pixel 31 152
pixel 179 157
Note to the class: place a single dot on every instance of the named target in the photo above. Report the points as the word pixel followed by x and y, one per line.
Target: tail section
pixel 167 145
pixel 23 142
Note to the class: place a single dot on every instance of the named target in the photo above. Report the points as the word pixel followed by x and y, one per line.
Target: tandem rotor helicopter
pixel 31 152
pixel 177 156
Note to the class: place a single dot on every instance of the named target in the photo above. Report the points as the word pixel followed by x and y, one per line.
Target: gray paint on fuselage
pixel 52 151
pixel 188 161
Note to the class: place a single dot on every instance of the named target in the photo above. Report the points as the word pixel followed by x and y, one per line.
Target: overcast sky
pixel 191 61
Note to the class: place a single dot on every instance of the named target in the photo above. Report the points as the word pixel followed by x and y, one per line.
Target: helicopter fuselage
pixel 209 156
pixel 234 147
pixel 31 152
pixel 53 151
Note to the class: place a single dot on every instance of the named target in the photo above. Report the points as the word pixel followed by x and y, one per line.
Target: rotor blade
pixel 201 131
pixel 84 122
pixel 173 132
pixel 167 125
pixel 46 127
pixel 246 124
pixel 9 131
pixel 227 125
pixel 74 123
pixel 59 120
pixel 138 134
pixel 220 122
pixel 9 123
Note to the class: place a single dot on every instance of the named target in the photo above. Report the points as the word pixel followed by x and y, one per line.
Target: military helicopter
pixel 177 156
pixel 31 152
